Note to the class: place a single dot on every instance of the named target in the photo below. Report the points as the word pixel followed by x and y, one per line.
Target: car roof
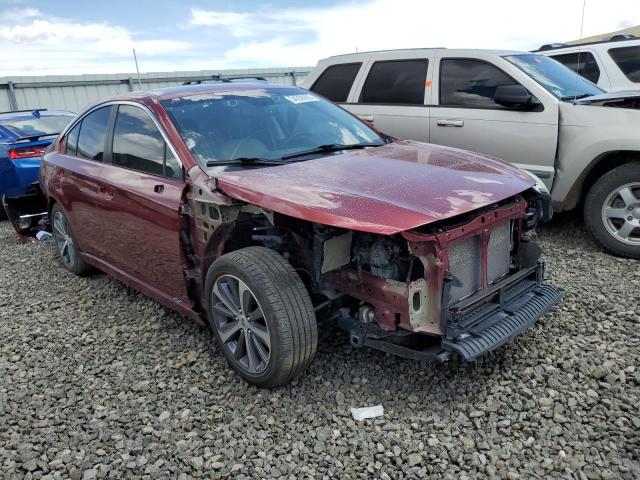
pixel 429 49
pixel 203 88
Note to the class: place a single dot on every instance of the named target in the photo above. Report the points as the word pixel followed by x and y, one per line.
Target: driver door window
pixel 468 117
pixel 470 83
pixel 139 145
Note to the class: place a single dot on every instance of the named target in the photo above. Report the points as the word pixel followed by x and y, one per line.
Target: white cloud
pixel 265 36
pixel 50 45
pixel 385 24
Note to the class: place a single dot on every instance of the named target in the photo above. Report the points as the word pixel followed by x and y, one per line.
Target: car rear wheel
pixel 66 243
pixel 261 316
pixel 612 210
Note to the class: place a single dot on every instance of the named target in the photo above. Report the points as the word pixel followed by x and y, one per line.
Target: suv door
pixel 395 95
pixel 466 115
pixel 141 191
pixel 76 172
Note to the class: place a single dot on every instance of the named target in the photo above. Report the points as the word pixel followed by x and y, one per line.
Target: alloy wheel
pixel 241 325
pixel 621 213
pixel 64 240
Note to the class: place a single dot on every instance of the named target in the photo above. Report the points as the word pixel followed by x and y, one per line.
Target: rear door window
pixel 71 144
pixel 93 134
pixel 583 62
pixel 470 83
pixel 139 145
pixel 336 81
pixel 396 82
pixel 628 59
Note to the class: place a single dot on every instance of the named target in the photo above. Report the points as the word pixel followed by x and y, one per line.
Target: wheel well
pixel 50 203
pixel 284 235
pixel 229 238
pixel 600 165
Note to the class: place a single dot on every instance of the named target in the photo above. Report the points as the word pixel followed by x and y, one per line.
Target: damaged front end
pixel 467 285
pixel 28 213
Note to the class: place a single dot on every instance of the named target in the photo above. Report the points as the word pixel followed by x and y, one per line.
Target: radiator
pixel 465 261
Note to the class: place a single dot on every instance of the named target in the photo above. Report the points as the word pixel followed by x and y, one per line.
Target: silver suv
pixel 522 107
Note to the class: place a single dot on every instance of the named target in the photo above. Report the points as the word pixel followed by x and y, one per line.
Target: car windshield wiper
pixel 244 161
pixel 576 97
pixel 331 147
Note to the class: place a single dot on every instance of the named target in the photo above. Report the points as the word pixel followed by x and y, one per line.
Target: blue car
pixel 23 137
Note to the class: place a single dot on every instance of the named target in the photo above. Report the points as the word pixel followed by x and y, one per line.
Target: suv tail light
pixel 25 152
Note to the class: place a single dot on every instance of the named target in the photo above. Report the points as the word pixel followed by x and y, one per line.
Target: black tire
pixel 599 193
pixel 70 258
pixel 285 310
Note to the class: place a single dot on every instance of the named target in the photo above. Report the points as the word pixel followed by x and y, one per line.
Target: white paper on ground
pixel 367 412
pixel 42 235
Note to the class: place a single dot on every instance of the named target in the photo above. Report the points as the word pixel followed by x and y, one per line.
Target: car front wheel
pixel 261 316
pixel 612 210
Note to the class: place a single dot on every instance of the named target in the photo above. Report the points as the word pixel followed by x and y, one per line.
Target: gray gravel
pixel 97 381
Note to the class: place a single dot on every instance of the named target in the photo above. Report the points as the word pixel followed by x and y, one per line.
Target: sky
pixel 52 37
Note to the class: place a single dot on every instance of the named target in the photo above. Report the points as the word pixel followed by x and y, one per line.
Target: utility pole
pixel 135 59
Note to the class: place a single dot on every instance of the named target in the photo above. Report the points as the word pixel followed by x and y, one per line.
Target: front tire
pixel 612 210
pixel 261 316
pixel 66 243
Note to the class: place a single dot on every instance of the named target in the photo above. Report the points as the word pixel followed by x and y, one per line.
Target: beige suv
pixel 522 107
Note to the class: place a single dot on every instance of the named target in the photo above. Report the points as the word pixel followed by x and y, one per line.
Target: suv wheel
pixel 261 315
pixel 612 210
pixel 66 243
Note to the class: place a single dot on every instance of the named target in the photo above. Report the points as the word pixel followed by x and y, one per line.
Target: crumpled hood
pixel 383 190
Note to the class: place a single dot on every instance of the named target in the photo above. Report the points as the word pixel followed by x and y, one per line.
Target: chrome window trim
pixel 133 104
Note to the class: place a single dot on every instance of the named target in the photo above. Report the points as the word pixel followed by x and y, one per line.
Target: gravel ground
pixel 97 381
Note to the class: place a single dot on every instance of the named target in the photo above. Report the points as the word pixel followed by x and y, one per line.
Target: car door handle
pixel 367 118
pixel 450 123
pixel 158 188
pixel 105 193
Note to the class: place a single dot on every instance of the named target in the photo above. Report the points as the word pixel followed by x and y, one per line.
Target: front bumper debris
pixel 504 311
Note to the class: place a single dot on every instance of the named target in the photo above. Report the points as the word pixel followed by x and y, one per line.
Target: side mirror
pixel 515 96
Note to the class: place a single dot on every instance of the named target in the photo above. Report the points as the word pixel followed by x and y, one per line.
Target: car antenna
pixel 575 87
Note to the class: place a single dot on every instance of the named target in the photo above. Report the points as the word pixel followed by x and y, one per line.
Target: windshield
pixel 33 126
pixel 262 123
pixel 555 77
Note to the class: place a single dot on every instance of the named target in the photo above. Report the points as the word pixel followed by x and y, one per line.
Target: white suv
pixel 612 65
pixel 518 106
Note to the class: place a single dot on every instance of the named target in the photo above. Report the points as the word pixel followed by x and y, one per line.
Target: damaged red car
pixel 254 208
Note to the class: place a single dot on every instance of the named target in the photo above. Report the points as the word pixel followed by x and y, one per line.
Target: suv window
pixel 139 145
pixel 336 81
pixel 71 144
pixel 93 134
pixel 396 82
pixel 470 83
pixel 628 59
pixel 583 62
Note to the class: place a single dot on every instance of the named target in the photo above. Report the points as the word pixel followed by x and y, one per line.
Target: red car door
pixel 140 192
pixel 75 173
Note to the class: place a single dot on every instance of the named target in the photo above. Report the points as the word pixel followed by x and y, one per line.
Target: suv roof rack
pixel 225 79
pixel 551 46
pixel 620 37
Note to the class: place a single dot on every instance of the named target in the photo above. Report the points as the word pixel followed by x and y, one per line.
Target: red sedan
pixel 254 207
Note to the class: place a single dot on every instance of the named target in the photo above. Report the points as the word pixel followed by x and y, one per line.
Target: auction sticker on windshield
pixel 301 98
